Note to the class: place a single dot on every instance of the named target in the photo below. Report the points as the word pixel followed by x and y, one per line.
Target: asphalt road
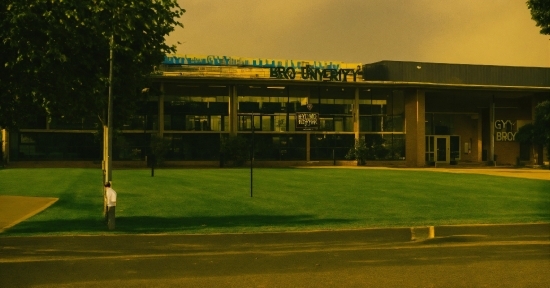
pixel 328 259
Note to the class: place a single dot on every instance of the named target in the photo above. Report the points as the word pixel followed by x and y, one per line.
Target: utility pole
pixel 109 160
pixel 252 159
pixel 108 141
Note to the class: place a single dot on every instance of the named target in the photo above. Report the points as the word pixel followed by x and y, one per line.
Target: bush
pixel 359 152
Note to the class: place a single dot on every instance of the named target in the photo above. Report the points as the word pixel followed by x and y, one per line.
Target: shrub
pixel 358 152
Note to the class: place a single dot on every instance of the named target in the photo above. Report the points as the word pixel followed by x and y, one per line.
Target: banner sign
pixel 216 60
pixel 306 121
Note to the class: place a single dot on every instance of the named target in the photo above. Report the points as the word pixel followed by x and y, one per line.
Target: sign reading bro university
pixel 315 74
pixel 306 121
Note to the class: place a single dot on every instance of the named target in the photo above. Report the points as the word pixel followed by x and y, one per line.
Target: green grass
pixel 218 200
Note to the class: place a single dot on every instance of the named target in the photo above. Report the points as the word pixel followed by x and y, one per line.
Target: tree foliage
pixel 540 12
pixel 358 152
pixel 371 149
pixel 538 132
pixel 54 54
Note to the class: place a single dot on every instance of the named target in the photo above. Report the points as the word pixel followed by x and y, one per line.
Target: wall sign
pixel 315 74
pixel 307 121
pixel 505 130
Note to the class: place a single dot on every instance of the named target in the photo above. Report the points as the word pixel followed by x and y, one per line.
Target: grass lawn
pixel 218 200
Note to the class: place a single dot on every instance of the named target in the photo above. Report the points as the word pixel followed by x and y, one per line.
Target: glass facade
pixel 330 146
pixel 55 146
pixel 195 118
pixel 382 123
pixel 439 125
pixel 194 147
pixel 193 108
pixel 196 113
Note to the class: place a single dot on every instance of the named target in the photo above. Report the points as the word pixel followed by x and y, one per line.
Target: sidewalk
pixel 15 209
pixel 528 173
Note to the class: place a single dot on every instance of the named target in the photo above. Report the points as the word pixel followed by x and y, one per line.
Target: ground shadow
pixel 152 224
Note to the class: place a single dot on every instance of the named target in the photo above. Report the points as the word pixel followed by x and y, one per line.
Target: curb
pixel 495 230
pixel 401 234
pixel 481 230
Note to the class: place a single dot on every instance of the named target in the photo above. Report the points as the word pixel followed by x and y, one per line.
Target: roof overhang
pixel 358 84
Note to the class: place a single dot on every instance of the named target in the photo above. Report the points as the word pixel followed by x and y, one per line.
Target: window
pixel 381 111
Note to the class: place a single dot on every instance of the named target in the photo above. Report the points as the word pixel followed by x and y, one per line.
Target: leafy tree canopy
pixel 540 12
pixel 54 54
pixel 539 131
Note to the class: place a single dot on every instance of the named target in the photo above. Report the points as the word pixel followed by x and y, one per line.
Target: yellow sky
pixel 496 32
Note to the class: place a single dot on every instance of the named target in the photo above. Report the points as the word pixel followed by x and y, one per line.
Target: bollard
pixel 422 233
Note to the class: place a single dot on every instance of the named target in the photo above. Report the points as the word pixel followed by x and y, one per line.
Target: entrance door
pixel 443 151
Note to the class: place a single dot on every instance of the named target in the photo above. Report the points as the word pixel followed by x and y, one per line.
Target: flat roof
pixel 396 74
pixel 463 74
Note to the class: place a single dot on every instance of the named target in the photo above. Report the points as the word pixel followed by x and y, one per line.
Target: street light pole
pixel 108 137
pixel 252 158
pixel 109 160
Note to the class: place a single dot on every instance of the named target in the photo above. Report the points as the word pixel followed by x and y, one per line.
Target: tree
pixel 538 132
pixel 54 55
pixel 540 12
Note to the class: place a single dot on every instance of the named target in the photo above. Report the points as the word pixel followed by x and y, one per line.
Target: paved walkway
pixel 15 209
pixel 540 174
pixel 528 173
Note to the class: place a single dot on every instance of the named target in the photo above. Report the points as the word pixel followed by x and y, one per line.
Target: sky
pixel 490 32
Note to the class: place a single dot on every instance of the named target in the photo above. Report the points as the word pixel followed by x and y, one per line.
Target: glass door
pixel 442 149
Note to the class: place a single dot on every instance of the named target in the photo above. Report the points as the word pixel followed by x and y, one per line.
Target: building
pixel 410 114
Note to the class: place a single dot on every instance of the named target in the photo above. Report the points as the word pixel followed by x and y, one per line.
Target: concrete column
pixel 233 108
pixel 308 146
pixel 5 146
pixel 479 142
pixel 415 127
pixel 491 156
pixel 356 114
pixel 161 111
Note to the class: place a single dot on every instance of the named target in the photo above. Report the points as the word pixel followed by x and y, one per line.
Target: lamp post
pixel 108 142
pixel 252 157
pixel 109 160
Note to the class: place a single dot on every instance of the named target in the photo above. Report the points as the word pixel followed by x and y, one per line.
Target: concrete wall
pixel 469 130
pixel 415 128
pixel 514 110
